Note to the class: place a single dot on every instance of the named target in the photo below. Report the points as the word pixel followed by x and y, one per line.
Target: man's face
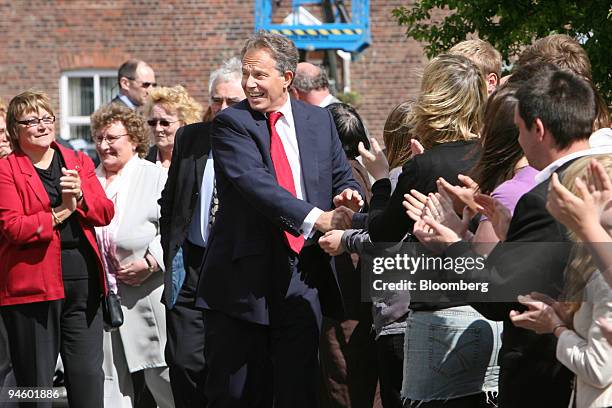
pixel 529 142
pixel 225 94
pixel 137 89
pixel 264 86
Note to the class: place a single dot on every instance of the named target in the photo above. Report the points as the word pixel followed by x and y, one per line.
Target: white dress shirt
pixel 198 229
pixel 552 167
pixel 285 127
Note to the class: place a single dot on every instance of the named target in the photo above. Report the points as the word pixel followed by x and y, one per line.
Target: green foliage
pixel 350 98
pixel 511 24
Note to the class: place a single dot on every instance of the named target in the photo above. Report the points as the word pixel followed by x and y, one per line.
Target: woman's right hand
pixel 71 188
pixel 374 160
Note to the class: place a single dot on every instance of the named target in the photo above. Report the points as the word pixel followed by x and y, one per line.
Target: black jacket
pixel 179 198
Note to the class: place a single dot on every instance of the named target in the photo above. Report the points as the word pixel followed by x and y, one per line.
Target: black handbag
pixel 111 311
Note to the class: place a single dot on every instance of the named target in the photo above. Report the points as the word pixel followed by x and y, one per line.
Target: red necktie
pixel 284 176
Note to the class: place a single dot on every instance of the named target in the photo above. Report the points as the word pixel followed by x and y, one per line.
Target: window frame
pixel 67 120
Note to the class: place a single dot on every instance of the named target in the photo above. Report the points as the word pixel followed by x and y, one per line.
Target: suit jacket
pixel 30 262
pixel 180 196
pixel 118 100
pixel 530 376
pixel 245 271
pixel 152 154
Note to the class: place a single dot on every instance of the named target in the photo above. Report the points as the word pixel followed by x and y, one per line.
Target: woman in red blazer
pixel 51 275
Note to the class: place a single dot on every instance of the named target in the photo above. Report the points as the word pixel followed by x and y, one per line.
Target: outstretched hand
pixel 374 160
pixel 349 198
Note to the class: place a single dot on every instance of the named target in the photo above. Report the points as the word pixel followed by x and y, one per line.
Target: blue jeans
pixel 450 353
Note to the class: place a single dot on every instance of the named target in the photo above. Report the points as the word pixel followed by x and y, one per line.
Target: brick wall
pixel 183 40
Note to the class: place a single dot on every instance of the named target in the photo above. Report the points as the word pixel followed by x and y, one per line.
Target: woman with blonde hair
pixel 581 345
pixel 458 365
pixel 168 109
pixel 132 255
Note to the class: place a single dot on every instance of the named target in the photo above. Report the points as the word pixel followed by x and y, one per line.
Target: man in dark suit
pixel 134 79
pixel 279 168
pixel 555 115
pixel 186 204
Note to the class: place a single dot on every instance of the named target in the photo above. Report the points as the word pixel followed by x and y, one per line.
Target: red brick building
pixel 71 49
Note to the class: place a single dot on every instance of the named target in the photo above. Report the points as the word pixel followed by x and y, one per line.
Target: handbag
pixel 111 311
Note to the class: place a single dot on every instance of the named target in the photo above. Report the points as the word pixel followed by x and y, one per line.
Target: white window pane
pixel 80 97
pixel 108 88
pixel 80 132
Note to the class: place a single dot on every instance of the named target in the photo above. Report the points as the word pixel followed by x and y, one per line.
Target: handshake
pixel 347 203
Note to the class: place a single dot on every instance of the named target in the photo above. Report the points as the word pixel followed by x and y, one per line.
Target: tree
pixel 511 24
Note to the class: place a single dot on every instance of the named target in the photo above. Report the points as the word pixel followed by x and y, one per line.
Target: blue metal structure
pixel 351 36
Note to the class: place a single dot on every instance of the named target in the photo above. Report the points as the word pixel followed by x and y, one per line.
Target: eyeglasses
pixel 46 120
pixel 110 139
pixel 162 122
pixel 145 85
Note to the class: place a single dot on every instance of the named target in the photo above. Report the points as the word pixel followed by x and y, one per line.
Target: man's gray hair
pixel 282 49
pixel 306 83
pixel 231 70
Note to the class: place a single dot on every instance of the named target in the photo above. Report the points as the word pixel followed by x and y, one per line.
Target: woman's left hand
pixel 540 317
pixel 134 273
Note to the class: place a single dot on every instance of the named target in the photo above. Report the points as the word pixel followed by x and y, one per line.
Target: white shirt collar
pixel 287 112
pixel 552 167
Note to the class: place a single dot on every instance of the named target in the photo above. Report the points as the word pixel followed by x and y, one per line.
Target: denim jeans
pixel 450 353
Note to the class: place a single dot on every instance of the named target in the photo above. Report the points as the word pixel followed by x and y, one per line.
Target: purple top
pixel 509 192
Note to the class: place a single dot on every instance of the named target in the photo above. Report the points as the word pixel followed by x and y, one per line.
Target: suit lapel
pixel 307 143
pixel 201 146
pixel 32 179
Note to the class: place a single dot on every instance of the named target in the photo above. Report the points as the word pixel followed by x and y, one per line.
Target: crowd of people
pixel 237 239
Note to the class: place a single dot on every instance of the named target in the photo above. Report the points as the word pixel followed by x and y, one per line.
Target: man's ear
pixel 540 129
pixel 287 79
pixel 124 83
pixel 492 82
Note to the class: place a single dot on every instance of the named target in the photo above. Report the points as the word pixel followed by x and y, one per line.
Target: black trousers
pixel 72 326
pixel 256 366
pixel 390 351
pixel 185 344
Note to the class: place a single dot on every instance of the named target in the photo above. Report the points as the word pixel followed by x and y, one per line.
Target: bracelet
pixel 149 265
pixel 55 217
pixel 80 197
pixel 557 326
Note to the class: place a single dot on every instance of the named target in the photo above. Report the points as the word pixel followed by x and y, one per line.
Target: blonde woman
pixel 167 109
pixel 132 255
pixel 450 350
pixel 581 345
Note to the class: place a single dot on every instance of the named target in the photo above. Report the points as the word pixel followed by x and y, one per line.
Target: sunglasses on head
pixel 162 122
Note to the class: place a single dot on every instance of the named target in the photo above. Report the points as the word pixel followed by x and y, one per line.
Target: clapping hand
pixel 70 183
pixel 586 210
pixel 461 195
pixel 496 212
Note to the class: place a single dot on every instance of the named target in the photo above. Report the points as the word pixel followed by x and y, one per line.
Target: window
pixel 81 93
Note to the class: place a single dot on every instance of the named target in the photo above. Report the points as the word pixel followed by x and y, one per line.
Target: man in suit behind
pixel 134 79
pixel 185 218
pixel 278 166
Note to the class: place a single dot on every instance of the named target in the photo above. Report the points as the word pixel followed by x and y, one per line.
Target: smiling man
pixel 279 169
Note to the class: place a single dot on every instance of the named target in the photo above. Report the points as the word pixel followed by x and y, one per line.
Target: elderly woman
pixel 132 252
pixel 166 110
pixel 51 274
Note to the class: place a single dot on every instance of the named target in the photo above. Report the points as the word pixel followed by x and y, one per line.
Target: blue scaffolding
pixel 347 33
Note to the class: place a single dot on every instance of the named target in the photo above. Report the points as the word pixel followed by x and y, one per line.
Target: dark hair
pixel 128 69
pixel 564 102
pixel 350 128
pixel 281 49
pixel 499 137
